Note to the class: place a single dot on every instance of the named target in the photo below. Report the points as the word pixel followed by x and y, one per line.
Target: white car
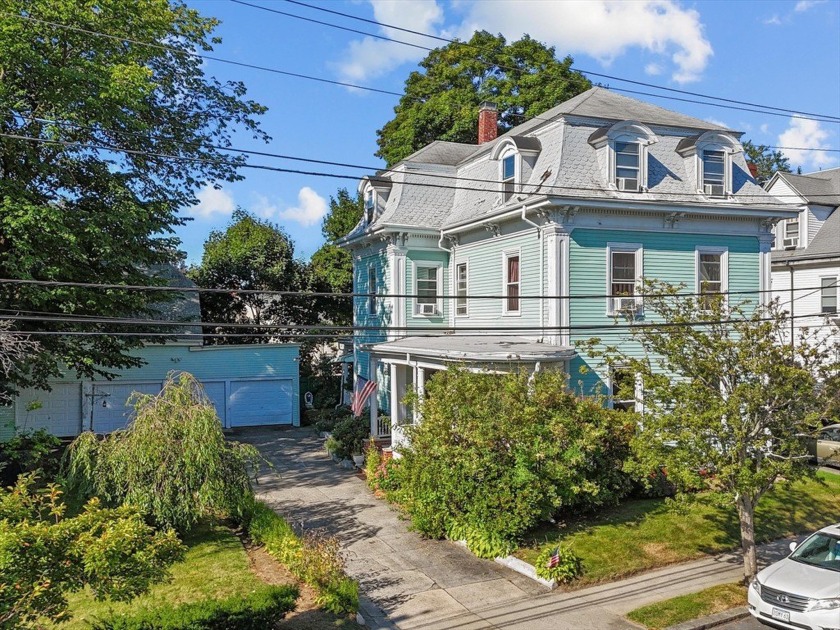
pixel 803 590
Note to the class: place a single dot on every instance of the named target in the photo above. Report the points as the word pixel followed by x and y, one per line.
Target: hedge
pixel 259 610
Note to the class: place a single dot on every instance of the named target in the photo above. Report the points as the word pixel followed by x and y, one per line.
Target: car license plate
pixel 781 615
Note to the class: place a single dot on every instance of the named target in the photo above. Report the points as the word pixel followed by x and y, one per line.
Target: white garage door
pixel 215 391
pixel 257 402
pixel 59 411
pixel 110 411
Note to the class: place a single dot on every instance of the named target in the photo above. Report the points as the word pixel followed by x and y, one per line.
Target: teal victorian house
pixel 497 255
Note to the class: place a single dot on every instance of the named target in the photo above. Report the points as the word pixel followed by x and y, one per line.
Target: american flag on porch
pixel 364 388
pixel 554 560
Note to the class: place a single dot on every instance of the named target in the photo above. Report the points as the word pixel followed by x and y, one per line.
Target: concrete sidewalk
pixel 410 582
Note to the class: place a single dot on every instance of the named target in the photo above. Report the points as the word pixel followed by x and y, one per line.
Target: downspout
pixel 542 265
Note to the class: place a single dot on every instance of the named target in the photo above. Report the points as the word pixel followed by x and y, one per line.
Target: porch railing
pixel 383 426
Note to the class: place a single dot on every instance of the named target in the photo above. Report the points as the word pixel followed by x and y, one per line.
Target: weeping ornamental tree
pixel 726 402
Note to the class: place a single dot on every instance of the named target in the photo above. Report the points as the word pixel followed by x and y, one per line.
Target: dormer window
pixel 623 154
pixel 370 205
pixel 790 236
pixel 714 173
pixel 508 176
pixel 627 166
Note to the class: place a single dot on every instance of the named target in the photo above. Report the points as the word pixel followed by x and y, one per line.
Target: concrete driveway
pixel 409 582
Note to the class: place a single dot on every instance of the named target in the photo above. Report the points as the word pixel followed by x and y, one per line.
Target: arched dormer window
pixel 513 155
pixel 370 204
pixel 711 153
pixel 626 162
pixel 374 192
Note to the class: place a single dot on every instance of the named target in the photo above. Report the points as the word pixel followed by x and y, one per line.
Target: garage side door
pixel 254 403
pixel 110 411
pixel 59 411
pixel 215 391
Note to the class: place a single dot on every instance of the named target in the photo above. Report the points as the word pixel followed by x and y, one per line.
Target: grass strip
pixel 687 607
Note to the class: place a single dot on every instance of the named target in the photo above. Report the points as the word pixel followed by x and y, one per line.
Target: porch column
pixel 396 415
pixel 420 382
pixel 765 282
pixel 557 257
pixel 374 398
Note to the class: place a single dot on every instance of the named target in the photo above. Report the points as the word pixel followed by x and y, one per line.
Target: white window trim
pixel 799 226
pixel 466 264
pixel 517 173
pixel 727 169
pixel 638 250
pixel 642 170
pixel 370 191
pixel 372 290
pixel 505 255
pixel 836 279
pixel 638 390
pixel 724 267
pixel 415 265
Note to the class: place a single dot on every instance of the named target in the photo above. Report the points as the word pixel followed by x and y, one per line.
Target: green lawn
pixel 643 534
pixel 215 566
pixel 687 607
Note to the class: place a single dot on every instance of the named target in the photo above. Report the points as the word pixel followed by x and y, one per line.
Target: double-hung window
pixel 461 289
pixel 427 290
pixel 370 205
pixel 712 275
pixel 513 274
pixel 508 176
pixel 714 173
pixel 790 238
pixel 828 295
pixel 627 166
pixel 624 273
pixel 371 305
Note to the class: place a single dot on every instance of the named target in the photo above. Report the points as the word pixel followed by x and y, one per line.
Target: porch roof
pixel 479 348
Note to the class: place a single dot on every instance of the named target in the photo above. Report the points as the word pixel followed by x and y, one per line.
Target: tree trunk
pixel 746 516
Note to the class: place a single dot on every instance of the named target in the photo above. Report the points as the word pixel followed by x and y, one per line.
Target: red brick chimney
pixel 488 121
pixel 753 169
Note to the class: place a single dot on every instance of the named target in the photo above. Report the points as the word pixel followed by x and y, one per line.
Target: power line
pixel 537 187
pixel 825 117
pixel 359 295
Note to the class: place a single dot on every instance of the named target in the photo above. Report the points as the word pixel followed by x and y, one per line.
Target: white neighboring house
pixel 806 252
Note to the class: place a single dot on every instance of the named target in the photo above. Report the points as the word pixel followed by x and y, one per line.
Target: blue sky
pixel 784 54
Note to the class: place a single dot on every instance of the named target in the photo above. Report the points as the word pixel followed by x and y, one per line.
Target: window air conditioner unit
pixel 627 184
pixel 428 309
pixel 625 305
pixel 713 190
pixel 790 243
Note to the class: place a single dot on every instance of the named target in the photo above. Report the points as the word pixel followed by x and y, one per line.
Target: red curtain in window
pixel 513 283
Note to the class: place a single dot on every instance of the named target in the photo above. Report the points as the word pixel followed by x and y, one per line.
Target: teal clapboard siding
pixel 363 318
pixel 415 259
pixel 667 256
pixel 486 275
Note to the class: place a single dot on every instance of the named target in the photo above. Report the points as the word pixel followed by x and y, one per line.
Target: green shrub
pixel 350 432
pixel 172 462
pixel 45 555
pixel 373 466
pixel 27 452
pixel 567 569
pixel 315 559
pixel 258 610
pixel 496 454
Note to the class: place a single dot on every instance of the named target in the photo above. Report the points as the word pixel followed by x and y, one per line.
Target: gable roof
pixel 826 244
pixel 820 188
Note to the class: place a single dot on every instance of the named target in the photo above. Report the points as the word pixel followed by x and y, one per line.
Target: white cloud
pixel 764 128
pixel 310 210
pixel 212 201
pixel 804 5
pixel 262 207
pixel 773 19
pixel 717 122
pixel 653 69
pixel 806 134
pixel 604 29
pixel 369 57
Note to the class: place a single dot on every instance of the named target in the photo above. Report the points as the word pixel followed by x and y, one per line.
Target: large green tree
pixel 251 255
pixel 767 160
pixel 726 402
pixel 73 211
pixel 332 266
pixel 523 78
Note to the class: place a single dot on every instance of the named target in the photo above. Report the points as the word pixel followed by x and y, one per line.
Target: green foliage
pixel 258 610
pixel 79 215
pixel 767 160
pixel 373 466
pixel 349 433
pixel 726 403
pixel 678 610
pixel 45 555
pixel 498 453
pixel 483 543
pixel 568 569
pixel 27 452
pixel 315 559
pixel 441 101
pixel 172 462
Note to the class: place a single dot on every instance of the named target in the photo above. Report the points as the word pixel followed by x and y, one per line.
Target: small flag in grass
pixel 554 560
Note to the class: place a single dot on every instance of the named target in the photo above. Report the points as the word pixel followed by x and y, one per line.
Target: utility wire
pixel 829 118
pixel 538 188
pixel 358 295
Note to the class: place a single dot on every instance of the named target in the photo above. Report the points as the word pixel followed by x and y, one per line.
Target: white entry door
pixel 258 402
pixel 109 404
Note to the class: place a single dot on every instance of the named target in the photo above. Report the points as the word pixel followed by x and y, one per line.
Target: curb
pixel 520 566
pixel 711 621
pixel 370 616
